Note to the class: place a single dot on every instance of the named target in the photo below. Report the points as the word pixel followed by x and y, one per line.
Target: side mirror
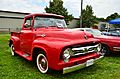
pixel 102 33
pixel 26 25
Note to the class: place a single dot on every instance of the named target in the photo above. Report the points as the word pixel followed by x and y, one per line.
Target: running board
pixel 24 55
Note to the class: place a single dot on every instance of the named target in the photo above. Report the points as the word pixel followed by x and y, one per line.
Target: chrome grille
pixel 84 50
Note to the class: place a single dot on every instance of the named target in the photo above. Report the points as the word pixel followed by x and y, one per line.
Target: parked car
pixel 115 32
pixel 110 44
pixel 45 39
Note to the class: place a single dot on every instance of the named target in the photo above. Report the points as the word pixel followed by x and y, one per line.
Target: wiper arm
pixel 43 26
pixel 53 26
pixel 56 26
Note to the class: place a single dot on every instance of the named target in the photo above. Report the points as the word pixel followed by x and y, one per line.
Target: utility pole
pixel 81 14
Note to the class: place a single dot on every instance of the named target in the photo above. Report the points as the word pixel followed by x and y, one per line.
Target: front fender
pixel 52 52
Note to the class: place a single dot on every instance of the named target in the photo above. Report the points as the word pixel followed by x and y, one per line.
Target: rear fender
pixel 16 42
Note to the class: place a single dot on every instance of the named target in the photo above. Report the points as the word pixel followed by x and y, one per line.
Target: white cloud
pixel 21 6
pixel 101 8
pixel 73 7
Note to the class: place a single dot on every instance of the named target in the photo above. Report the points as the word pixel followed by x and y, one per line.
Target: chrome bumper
pixel 79 66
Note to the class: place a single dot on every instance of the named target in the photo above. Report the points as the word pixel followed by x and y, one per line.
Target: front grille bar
pixel 84 50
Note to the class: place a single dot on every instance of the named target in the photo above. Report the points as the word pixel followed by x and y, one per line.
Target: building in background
pixel 74 23
pixel 9 19
pixel 103 25
pixel 12 20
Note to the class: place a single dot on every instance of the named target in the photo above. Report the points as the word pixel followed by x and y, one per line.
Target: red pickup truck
pixel 45 39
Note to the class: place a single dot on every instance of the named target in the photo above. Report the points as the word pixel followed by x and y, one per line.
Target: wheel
pixel 12 50
pixel 42 63
pixel 105 50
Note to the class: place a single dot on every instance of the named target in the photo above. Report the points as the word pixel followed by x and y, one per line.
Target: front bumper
pixel 80 66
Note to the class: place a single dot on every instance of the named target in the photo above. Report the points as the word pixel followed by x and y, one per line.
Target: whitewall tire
pixel 42 63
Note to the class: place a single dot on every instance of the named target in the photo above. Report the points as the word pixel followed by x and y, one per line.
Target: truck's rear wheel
pixel 12 50
pixel 42 63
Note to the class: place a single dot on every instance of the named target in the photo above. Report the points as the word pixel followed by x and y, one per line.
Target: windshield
pixel 49 22
pixel 95 32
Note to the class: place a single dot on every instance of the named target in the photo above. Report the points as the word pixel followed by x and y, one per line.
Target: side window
pixel 28 23
pixel 89 31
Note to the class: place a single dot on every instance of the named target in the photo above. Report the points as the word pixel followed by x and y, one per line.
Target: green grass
pixel 15 67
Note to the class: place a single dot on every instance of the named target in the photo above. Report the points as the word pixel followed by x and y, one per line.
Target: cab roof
pixel 44 14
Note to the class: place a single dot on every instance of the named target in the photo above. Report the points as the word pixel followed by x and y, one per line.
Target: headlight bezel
pixel 67 54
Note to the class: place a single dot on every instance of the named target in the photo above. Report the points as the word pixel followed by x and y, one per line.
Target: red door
pixel 26 36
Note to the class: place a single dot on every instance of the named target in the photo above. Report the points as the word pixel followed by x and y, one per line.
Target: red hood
pixel 64 34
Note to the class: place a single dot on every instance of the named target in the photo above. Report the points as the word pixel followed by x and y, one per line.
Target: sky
pixel 101 8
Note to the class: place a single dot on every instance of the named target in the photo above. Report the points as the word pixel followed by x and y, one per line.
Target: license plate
pixel 89 62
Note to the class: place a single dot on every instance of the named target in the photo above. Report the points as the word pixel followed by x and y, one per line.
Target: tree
pixel 56 7
pixel 87 17
pixel 101 19
pixel 113 16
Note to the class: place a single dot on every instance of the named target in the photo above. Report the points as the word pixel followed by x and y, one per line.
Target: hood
pixel 64 34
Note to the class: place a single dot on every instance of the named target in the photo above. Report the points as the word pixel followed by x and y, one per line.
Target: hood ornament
pixel 85 36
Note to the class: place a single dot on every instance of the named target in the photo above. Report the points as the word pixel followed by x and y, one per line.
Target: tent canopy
pixel 115 21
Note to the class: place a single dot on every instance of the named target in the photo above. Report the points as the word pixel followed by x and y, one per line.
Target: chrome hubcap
pixel 43 63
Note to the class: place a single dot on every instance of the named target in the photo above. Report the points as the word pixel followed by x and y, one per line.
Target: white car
pixel 94 32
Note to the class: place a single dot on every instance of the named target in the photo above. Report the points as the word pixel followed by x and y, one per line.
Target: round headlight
pixel 66 54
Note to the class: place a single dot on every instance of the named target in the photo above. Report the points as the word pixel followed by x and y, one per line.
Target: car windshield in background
pixel 95 32
pixel 49 22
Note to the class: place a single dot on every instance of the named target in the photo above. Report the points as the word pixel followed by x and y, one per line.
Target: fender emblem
pixel 41 35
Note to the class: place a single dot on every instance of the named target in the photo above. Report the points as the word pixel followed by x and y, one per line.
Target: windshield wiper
pixel 53 26
pixel 43 26
pixel 57 26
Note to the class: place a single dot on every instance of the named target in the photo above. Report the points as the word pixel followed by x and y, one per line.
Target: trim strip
pixel 81 48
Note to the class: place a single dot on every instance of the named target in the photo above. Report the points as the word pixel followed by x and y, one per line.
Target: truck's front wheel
pixel 42 63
